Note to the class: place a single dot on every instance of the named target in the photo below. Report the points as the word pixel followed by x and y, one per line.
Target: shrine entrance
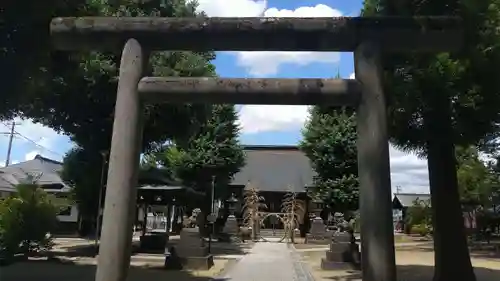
pixel 272 227
pixel 366 37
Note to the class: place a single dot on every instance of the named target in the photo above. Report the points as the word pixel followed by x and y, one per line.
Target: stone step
pixel 271 233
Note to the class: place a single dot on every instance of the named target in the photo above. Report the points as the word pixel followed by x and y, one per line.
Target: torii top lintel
pixel 344 34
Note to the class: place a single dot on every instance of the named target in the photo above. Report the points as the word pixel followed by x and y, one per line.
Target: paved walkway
pixel 269 262
pixel 397 245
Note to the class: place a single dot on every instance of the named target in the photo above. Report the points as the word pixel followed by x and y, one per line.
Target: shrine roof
pixel 275 169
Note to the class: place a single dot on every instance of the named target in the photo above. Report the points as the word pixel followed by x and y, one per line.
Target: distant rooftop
pixel 407 199
pixel 46 169
pixel 275 168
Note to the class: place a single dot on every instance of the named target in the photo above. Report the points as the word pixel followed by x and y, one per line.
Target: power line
pixel 14 132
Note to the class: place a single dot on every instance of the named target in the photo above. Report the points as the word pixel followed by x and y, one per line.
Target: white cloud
pixel 33 138
pixel 352 76
pixel 31 132
pixel 268 63
pixel 257 118
pixel 408 172
pixel 232 8
pixel 261 118
pixel 31 155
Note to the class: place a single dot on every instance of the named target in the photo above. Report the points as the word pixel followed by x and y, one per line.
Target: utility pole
pixel 398 189
pixel 11 138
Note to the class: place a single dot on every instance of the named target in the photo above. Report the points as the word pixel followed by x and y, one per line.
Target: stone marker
pixel 343 252
pixel 318 233
pixel 193 251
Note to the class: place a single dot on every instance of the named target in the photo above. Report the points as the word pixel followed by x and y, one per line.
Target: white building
pixel 47 172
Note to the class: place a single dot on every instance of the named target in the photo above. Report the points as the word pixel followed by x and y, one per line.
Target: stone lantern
pixel 231 226
pixel 317 207
pixel 231 204
pixel 317 233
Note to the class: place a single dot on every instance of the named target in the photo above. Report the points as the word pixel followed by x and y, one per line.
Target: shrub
pixel 420 229
pixel 26 218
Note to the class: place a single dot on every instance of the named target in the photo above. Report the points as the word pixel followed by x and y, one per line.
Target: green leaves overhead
pixel 329 141
pixel 466 77
pixel 79 92
pixel 213 150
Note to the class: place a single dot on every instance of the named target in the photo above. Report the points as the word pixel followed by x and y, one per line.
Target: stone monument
pixel 343 252
pixel 318 233
pixel 192 250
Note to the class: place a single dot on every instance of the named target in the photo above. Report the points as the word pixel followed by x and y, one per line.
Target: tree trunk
pixel 451 254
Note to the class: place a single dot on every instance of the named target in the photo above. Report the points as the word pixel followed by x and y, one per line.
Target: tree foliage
pixel 419 217
pixel 83 170
pixel 208 157
pixel 212 151
pixel 79 96
pixel 476 182
pixel 329 141
pixel 26 217
pixel 464 77
pixel 24 24
pixel 438 100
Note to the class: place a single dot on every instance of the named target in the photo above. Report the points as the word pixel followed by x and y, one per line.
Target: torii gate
pixel 366 37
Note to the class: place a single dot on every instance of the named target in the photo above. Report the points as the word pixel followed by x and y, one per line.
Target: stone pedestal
pixel 231 226
pixel 230 230
pixel 154 241
pixel 192 250
pixel 318 233
pixel 343 253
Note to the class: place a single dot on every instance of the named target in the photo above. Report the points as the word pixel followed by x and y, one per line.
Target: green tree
pixel 212 151
pixel 475 180
pixel 494 167
pixel 211 155
pixel 78 99
pixel 25 23
pixel 86 171
pixel 419 217
pixel 478 184
pixel 26 217
pixel 439 100
pixel 329 141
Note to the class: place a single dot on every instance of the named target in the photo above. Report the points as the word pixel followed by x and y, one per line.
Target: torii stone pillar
pixel 377 233
pixel 121 191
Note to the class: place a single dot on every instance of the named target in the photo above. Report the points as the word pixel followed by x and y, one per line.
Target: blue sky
pixel 260 124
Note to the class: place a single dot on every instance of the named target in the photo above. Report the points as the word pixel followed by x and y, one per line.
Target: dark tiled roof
pixel 408 199
pixel 47 169
pixel 275 168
